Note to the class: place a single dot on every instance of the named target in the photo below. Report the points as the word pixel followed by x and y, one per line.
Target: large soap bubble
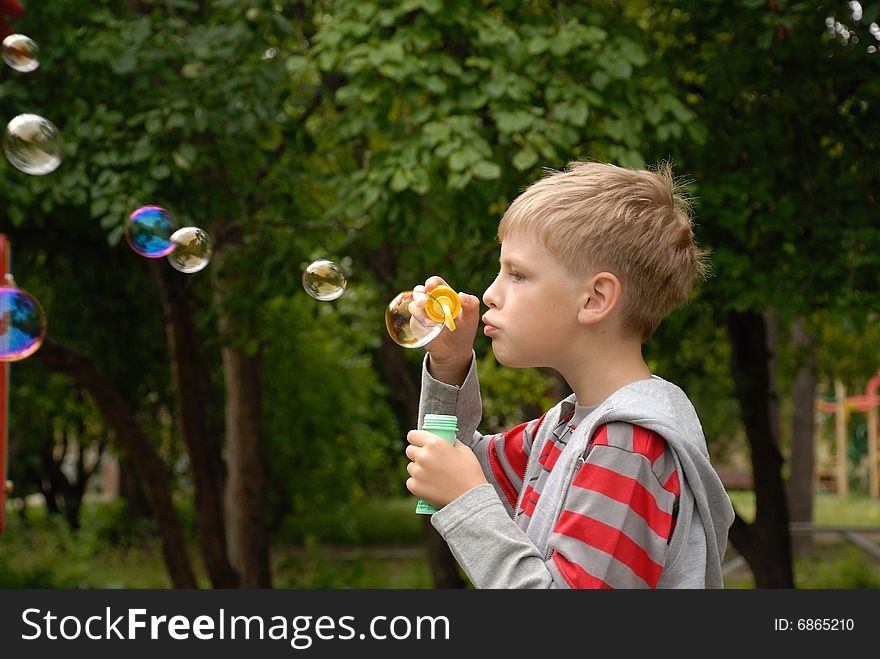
pixel 415 318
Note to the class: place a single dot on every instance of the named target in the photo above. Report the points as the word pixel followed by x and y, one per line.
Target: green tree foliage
pixel 784 180
pixel 451 108
pixel 785 196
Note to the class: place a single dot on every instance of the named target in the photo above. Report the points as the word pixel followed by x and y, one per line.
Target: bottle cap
pixel 443 306
pixel 440 421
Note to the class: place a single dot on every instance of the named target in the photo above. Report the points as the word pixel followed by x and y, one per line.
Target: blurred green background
pixel 225 429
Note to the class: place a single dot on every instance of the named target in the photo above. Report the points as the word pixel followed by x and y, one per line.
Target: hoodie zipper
pixel 580 463
pixel 522 491
pixel 532 452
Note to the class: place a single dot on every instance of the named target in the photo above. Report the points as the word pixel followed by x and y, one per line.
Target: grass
pixel 834 563
pixel 828 509
pixel 374 545
pixel 378 544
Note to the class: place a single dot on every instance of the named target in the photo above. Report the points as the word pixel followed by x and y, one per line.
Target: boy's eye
pixel 517 276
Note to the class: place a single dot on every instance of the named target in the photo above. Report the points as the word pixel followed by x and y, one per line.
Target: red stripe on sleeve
pixel 513 449
pixel 500 476
pixel 648 443
pixel 611 541
pixel 576 576
pixel 628 491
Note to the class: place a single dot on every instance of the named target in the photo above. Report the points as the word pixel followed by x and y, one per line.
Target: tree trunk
pixel 765 544
pixel 201 447
pixel 149 466
pixel 131 490
pixel 246 484
pixel 800 479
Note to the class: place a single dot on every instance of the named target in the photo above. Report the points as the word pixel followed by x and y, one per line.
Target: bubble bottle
pixel 444 426
pixel 415 318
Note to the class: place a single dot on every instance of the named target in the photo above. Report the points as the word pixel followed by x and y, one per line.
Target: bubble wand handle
pixel 444 426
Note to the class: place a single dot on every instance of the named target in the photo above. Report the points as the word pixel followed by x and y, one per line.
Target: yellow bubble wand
pixel 443 306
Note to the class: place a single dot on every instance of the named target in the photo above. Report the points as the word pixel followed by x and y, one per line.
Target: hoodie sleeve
pixel 503 456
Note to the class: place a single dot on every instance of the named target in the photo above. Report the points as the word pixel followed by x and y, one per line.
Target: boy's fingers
pixel 469 301
pixel 433 282
pixel 416 437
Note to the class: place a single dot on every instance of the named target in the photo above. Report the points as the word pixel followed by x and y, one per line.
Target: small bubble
pixel 32 144
pixel 21 53
pixel 148 231
pixel 192 249
pixel 324 280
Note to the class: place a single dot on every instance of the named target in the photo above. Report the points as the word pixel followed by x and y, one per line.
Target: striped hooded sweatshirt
pixel 620 495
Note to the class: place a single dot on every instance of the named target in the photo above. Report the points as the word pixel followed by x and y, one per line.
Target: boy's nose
pixel 489 297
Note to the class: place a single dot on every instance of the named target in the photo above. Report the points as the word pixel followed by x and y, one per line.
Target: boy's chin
pixel 510 360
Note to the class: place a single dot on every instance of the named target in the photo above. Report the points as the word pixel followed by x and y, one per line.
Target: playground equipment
pixel 843 405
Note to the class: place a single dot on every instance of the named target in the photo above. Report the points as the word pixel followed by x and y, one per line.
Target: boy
pixel 612 488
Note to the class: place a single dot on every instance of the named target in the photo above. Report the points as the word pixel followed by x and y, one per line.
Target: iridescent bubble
pixel 324 280
pixel 22 323
pixel 21 53
pixel 415 318
pixel 149 230
pixel 192 249
pixel 32 144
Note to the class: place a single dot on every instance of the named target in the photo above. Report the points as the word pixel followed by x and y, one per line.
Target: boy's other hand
pixel 450 353
pixel 438 472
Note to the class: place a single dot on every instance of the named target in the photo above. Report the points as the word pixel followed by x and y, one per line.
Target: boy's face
pixel 533 306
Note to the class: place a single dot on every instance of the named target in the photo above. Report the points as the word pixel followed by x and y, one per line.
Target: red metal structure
pixel 5 267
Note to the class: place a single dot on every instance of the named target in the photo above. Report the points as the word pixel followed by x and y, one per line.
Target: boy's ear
pixel 602 294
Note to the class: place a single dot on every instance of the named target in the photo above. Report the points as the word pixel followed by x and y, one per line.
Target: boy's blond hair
pixel 635 224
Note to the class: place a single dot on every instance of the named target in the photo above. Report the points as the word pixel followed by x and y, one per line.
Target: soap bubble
pixel 32 144
pixel 21 53
pixel 149 230
pixel 22 323
pixel 192 249
pixel 415 318
pixel 324 280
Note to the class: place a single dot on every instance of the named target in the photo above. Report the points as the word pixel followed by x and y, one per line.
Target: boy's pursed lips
pixel 489 327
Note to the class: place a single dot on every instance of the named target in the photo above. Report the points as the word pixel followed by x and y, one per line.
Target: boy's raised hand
pixel 451 351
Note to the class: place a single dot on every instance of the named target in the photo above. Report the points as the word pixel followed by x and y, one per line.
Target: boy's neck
pixel 595 374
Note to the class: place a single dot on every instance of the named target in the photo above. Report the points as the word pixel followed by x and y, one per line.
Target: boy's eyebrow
pixel 510 262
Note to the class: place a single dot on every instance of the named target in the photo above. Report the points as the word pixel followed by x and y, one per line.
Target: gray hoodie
pixel 498 549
